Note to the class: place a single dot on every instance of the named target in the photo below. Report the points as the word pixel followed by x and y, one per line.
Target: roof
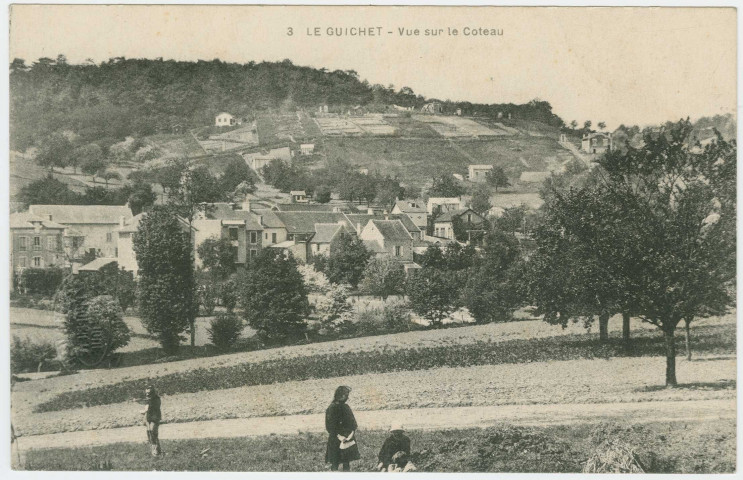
pixel 24 219
pixel 481 167
pixel 224 113
pixel 284 244
pixel 297 192
pixel 304 222
pixel 597 134
pixel 534 177
pixel 311 207
pixel 83 214
pixel 363 219
pixel 224 211
pixel 132 225
pixel 325 232
pixel 269 219
pixel 451 214
pixel 310 145
pixel 410 206
pixel 392 230
pixel 96 264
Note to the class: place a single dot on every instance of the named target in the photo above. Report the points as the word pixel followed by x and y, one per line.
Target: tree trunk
pixel 625 327
pixel 193 332
pixel 668 335
pixel 687 338
pixel 604 327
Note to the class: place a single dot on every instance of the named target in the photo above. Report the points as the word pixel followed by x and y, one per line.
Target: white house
pixel 299 196
pixel 388 238
pixel 445 203
pixel 224 119
pixel 307 148
pixel 597 143
pixel 477 173
pixel 258 160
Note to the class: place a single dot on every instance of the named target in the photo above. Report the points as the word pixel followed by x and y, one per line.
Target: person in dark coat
pixel 152 418
pixel 396 442
pixel 341 426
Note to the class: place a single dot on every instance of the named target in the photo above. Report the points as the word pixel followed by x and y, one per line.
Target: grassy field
pixel 663 448
pixel 708 340
pixel 182 145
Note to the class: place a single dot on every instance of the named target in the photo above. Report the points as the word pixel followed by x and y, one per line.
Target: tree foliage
pixel 347 261
pixel 273 296
pixel 166 287
pixel 445 186
pixel 383 277
pixel 497 178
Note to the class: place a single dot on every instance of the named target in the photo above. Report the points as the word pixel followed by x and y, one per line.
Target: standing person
pixel 396 442
pixel 152 418
pixel 341 426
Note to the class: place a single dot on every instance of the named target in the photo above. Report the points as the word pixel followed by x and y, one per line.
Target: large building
pixel 99 224
pixel 35 242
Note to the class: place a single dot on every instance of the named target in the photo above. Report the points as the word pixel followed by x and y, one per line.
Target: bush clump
pixel 28 356
pixel 224 330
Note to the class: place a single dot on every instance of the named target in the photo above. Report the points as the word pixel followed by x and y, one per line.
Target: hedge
pixel 44 281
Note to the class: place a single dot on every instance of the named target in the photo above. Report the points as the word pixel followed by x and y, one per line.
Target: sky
pixel 619 65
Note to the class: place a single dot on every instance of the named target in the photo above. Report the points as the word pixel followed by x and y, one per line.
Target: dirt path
pixel 413 419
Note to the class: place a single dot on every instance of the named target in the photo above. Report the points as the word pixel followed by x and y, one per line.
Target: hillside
pixel 139 97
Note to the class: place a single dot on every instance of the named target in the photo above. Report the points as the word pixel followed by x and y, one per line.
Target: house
pixel 534 177
pixel 239 225
pixel 388 238
pixel 325 235
pixel 472 222
pixel 413 209
pixel 97 264
pixel 97 223
pixel 307 148
pixel 258 160
pixel 224 119
pixel 274 231
pixel 300 229
pixel 299 196
pixel 443 204
pixel 35 242
pixel 478 173
pixel 597 143
pixel 433 108
pixel 126 257
pixel 360 220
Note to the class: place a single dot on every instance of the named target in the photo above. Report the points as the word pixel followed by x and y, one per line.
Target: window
pixel 37 243
pixel 22 262
pixel 266 237
pixel 51 243
pixel 398 250
pixel 38 262
pixel 273 237
pixel 469 218
pixel 23 243
pixel 233 233
pixel 116 252
pixel 109 237
pixel 253 237
pixel 253 252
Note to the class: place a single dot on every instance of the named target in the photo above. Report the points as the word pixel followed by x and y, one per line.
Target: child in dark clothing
pixel 396 442
pixel 152 418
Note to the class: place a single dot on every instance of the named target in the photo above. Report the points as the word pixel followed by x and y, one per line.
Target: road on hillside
pixel 412 419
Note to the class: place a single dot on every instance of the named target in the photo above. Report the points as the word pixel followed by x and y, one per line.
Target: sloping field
pixel 448 126
pixel 176 145
pixel 417 160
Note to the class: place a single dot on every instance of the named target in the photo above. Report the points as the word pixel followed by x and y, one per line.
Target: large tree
pixel 166 286
pixel 432 294
pixel 445 186
pixel 347 261
pixel 383 277
pixel 273 296
pixel 497 178
pixel 657 226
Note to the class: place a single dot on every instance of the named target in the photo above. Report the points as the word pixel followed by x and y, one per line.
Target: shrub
pixel 44 281
pixel 396 317
pixel 28 356
pixel 101 330
pixel 225 330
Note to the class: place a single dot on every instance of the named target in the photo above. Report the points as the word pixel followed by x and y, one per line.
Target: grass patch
pixel 709 339
pixel 707 447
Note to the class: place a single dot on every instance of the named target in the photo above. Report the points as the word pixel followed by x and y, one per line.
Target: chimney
pixel 121 220
pixel 246 204
pixel 260 220
pixel 386 215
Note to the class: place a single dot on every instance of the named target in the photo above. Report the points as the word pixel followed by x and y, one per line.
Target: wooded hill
pixel 139 97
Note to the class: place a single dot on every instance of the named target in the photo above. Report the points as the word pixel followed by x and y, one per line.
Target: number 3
pixel 290 31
